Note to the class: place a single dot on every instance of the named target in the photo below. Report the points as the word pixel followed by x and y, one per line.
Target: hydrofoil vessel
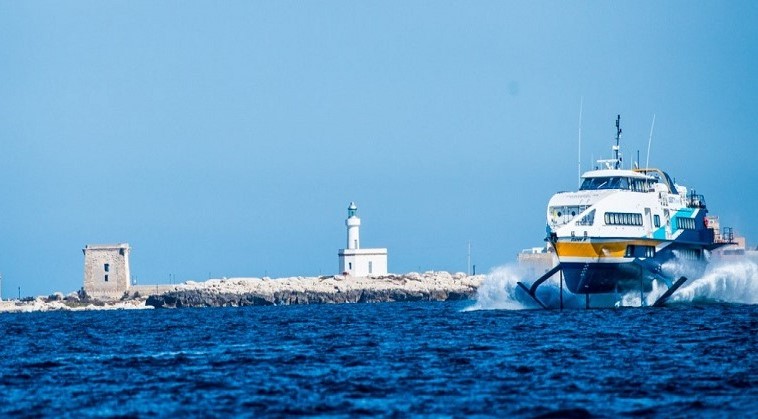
pixel 615 232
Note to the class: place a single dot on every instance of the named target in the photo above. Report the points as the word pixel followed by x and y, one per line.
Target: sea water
pixel 691 358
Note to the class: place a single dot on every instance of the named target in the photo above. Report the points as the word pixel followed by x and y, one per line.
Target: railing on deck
pixel 726 235
pixel 695 201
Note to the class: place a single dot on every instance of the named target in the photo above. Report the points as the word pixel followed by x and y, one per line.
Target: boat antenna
pixel 618 137
pixel 649 141
pixel 579 156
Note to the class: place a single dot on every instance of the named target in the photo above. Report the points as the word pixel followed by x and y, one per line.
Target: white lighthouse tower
pixel 353 224
pixel 355 261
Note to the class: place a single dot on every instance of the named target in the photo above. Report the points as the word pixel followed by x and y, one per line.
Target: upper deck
pixel 616 179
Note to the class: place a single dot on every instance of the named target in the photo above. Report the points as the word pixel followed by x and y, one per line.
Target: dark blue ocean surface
pixel 382 359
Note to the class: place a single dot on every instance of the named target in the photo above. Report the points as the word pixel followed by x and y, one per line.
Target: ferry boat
pixel 616 231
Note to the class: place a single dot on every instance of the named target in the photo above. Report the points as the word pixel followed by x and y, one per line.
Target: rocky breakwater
pixel 429 286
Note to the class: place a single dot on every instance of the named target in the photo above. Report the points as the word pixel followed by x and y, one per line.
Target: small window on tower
pixel 107 267
pixel 370 267
pixel 350 265
pixel 106 278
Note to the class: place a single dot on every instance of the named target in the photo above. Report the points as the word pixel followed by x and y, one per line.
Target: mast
pixel 579 154
pixel 617 163
pixel 649 141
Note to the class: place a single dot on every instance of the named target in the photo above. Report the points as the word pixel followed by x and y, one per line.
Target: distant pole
pixel 1 287
pixel 474 270
pixel 19 293
pixel 468 263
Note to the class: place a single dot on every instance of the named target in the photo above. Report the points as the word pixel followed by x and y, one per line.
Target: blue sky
pixel 227 138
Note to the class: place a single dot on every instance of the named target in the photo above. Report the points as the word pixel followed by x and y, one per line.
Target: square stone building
pixel 106 270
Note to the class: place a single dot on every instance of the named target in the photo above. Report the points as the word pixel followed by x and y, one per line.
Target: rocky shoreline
pixel 237 292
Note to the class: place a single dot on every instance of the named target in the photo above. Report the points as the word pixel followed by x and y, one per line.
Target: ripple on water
pixel 390 359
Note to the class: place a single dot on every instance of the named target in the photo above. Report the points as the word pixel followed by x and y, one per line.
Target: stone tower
pixel 106 270
pixel 353 259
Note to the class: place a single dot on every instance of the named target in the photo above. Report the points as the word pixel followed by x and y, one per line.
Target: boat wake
pixel 726 281
pixel 734 281
pixel 499 291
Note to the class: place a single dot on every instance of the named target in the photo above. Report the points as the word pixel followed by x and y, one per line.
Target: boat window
pixel 640 251
pixel 588 219
pixel 592 183
pixel 685 223
pixel 639 185
pixel 662 177
pixel 623 218
pixel 613 182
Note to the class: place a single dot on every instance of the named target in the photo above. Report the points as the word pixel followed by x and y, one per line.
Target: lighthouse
pixel 354 260
pixel 353 224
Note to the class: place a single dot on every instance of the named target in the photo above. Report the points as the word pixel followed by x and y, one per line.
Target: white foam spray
pixel 499 291
pixel 728 281
pixel 724 281
pixel 734 280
